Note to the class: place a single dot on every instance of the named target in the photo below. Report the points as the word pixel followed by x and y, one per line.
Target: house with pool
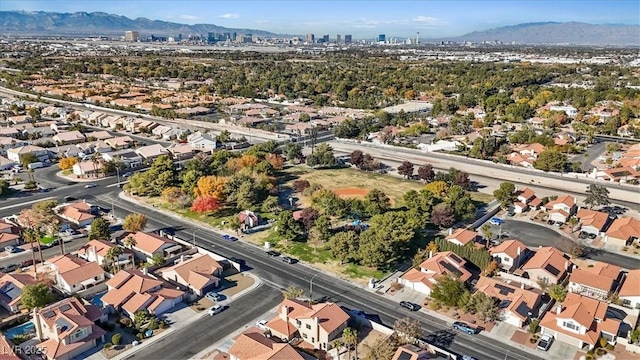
pixel 11 290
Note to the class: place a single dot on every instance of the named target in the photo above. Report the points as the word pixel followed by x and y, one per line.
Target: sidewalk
pixel 196 317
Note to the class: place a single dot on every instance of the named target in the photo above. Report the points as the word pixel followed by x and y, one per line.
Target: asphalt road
pixel 47 253
pixel 593 152
pixel 534 235
pixel 186 342
pixel 275 272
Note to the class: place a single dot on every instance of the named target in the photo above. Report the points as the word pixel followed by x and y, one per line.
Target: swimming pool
pixel 26 328
pixel 97 299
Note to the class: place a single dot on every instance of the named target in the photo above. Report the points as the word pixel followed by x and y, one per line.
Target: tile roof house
pixel 87 168
pixel 411 352
pixel 463 237
pixel 100 135
pixel 150 152
pixel 79 213
pixel 517 304
pixel 580 321
pixel 7 349
pixel 528 197
pixel 68 328
pixel 11 288
pixel 597 280
pixel 181 152
pixel 593 222
pixel 562 208
pixel 9 234
pixel 438 265
pixel 629 292
pixel 316 324
pixel 201 273
pixel 97 250
pixel 72 274
pixel 134 290
pixel 204 141
pixel 120 142
pixel 253 345
pixel 622 232
pixel 69 137
pixel 148 244
pixel 510 254
pixel 548 264
pixel 16 154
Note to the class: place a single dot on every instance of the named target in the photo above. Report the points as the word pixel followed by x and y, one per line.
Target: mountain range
pixel 39 23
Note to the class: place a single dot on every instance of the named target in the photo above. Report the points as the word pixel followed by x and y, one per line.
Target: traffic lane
pixel 188 341
pixel 536 235
pixel 47 253
pixel 274 271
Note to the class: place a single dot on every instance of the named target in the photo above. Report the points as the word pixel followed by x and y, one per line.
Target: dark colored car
pixel 409 305
pixel 239 261
pixel 289 260
pixel 69 198
pixel 11 267
pixel 273 253
pixel 464 327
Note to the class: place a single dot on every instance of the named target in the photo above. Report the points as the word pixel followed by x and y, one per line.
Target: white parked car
pixel 262 324
pixel 215 310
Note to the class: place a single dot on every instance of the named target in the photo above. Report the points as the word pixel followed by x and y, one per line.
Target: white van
pixel 35 165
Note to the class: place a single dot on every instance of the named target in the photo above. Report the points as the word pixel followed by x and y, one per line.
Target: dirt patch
pixel 238 283
pixel 355 193
pixel 522 337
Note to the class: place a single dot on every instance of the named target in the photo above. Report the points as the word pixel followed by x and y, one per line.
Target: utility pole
pixel 118 174
pixel 311 287
pixel 194 237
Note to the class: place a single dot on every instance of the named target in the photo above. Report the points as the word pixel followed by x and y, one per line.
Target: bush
pixel 125 321
pixel 600 351
pixel 588 357
pixel 434 305
pixel 162 325
pixel 609 347
pixel 107 346
pixel 153 325
pixel 140 336
pixel 116 339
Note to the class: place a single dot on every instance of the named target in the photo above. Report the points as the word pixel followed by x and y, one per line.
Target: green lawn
pixel 47 239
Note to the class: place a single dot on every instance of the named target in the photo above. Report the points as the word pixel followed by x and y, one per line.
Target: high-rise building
pixel 338 39
pixel 382 38
pixel 211 37
pixel 347 39
pixel 325 38
pixel 310 38
pixel 227 36
pixel 131 36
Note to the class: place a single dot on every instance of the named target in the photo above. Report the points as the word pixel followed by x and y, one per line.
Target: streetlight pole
pixel 118 174
pixel 194 237
pixel 311 287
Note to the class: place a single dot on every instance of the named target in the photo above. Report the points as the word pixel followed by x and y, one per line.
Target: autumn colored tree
pixel 134 222
pixel 406 169
pixel 443 215
pixel 67 163
pixel 426 173
pixel 308 217
pixel 300 185
pixel 171 194
pixel 246 160
pixel 205 204
pixel 211 186
pixel 356 158
pixel 276 161
pixel 438 188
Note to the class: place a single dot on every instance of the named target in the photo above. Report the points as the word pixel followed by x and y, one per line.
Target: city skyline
pixel 432 19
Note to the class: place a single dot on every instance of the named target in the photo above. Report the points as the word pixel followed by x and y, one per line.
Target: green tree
pixel 389 236
pixel 505 194
pixel 350 339
pixel 286 226
pixel 99 229
pixel 158 259
pixel 28 158
pixel 271 204
pixel 557 292
pixel 324 226
pixel 116 339
pixel 36 296
pixel 448 290
pixel 293 151
pixel 113 254
pixel 4 187
pixel 551 160
pixel 130 242
pixel 344 246
pixel 486 308
pixel 533 326
pixel 293 292
pixel 322 156
pixel 597 195
pixel 461 203
pixel 377 202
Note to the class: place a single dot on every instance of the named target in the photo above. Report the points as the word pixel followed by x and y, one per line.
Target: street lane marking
pixel 27 203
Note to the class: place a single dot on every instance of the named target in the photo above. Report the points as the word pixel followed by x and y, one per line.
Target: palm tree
pixel 95 159
pixel 113 255
pixel 130 242
pixel 350 338
pixel 337 344
pixel 29 236
pixel 27 221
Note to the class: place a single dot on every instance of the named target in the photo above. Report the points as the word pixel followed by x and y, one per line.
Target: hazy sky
pixel 360 18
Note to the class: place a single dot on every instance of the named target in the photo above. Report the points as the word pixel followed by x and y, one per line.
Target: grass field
pixel 47 239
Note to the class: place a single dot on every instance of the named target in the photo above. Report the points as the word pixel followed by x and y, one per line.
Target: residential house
pixel 151 152
pixel 253 345
pixel 598 280
pixel 130 291
pixel 16 154
pixel 548 265
pixel 622 232
pixel 6 164
pixel 7 349
pixel 97 251
pixel 629 293
pixel 620 174
pixel 516 303
pixel 66 151
pixel 316 324
pixel 68 328
pixel 562 208
pixel 527 197
pixel 69 137
pixel 11 286
pixel 119 143
pixel 9 234
pixel 10 132
pixel 79 213
pixel 510 255
pixel 463 237
pixel 593 222
pixel 96 117
pixel 580 321
pixel 7 143
pixel 72 274
pixel 204 141
pixel 201 273
pixel 159 130
pixel 181 152
pixel 148 244
pixel 436 266
pixel 518 159
pixel 129 158
pixel 248 219
pixel 569 110
pixel 532 150
pixel 411 352
pixel 99 135
pixel 98 146
pixel 87 168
